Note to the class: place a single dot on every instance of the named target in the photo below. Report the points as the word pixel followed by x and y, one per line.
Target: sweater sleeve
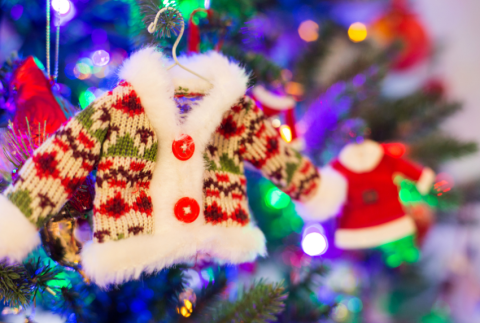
pixel 49 178
pixel 262 146
pixel 424 177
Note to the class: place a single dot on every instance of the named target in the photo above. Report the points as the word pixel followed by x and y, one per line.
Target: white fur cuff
pixel 425 181
pixel 328 200
pixel 17 235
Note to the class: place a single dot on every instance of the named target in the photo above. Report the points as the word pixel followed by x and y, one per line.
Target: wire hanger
pixel 153 26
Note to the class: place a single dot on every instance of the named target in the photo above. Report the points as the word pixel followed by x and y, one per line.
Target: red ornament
pixel 434 87
pixel 34 99
pixel 399 23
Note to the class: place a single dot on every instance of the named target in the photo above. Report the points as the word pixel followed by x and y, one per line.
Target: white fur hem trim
pixel 425 181
pixel 17 235
pixel 374 236
pixel 329 198
pixel 363 157
pixel 271 100
pixel 115 262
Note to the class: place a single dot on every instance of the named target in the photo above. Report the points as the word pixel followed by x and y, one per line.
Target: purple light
pixel 314 242
pixel 16 12
pixel 100 58
pixel 99 36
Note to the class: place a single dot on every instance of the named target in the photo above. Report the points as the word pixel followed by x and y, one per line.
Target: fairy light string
pixel 57 44
pixel 48 38
pixel 57 49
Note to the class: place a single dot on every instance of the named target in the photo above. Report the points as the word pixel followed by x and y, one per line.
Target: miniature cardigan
pixel 169 185
pixel 362 191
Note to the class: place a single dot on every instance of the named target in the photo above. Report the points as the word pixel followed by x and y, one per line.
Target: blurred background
pixel 408 71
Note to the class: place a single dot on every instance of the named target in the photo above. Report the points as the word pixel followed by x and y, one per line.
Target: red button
pixel 184 147
pixel 187 210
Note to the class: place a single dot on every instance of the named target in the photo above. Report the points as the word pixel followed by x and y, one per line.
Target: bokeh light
pixel 357 32
pixel 294 88
pixel 308 31
pixel 83 68
pixel 276 122
pixel 286 133
pixel 186 310
pixel 100 57
pixel 16 12
pixel 61 6
pixel 355 305
pixel 85 98
pixel 277 199
pixel 314 242
pixel 340 313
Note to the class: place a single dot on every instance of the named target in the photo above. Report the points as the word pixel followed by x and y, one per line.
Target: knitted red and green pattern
pixel 115 136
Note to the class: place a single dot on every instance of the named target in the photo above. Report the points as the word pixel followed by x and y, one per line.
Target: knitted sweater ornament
pixel 359 187
pixel 169 185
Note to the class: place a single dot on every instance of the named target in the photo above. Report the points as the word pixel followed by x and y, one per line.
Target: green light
pixel 296 223
pixel 186 7
pixel 208 274
pixel 86 98
pixel 61 281
pixel 277 199
pixel 84 68
pixel 198 16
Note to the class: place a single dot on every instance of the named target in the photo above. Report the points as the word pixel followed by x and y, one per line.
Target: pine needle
pixel 261 303
pixel 15 286
pixel 18 284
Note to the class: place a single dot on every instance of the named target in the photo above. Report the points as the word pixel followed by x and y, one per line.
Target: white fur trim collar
pixel 361 158
pixel 146 70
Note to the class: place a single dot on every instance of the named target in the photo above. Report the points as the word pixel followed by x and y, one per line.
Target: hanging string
pixel 48 38
pixel 57 49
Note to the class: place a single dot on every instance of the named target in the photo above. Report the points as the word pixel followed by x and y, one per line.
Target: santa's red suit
pixel 359 187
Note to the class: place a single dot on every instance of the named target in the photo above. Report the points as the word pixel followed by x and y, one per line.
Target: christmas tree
pixel 338 74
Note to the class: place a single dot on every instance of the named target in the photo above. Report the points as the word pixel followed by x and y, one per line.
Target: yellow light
pixel 357 32
pixel 186 310
pixel 340 313
pixel 286 133
pixel 188 304
pixel 308 31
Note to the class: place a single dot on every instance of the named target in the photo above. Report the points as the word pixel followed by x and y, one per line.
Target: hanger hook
pixel 151 29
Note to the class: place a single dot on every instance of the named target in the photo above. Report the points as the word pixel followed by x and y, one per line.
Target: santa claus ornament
pixel 359 187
